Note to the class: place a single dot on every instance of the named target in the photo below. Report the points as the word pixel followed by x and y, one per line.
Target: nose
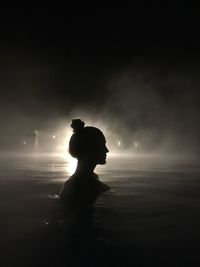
pixel 107 150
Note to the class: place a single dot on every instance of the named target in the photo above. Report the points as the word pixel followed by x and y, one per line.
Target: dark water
pixel 151 217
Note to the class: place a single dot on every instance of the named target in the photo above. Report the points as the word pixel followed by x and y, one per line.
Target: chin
pixel 102 162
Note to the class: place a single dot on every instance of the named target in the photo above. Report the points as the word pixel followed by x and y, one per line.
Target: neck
pixel 85 167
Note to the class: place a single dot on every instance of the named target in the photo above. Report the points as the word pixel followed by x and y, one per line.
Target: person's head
pixel 87 143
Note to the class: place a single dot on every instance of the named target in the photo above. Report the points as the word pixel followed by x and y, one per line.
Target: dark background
pixel 135 69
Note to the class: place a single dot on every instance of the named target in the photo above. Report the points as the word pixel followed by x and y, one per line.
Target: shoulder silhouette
pixel 88 145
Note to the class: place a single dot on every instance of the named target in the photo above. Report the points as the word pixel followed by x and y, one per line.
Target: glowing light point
pixel 24 142
pixel 54 136
pixel 119 143
pixel 71 164
pixel 136 144
pixel 36 132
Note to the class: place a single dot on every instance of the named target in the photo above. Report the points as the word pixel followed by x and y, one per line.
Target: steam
pixel 145 107
pixel 158 106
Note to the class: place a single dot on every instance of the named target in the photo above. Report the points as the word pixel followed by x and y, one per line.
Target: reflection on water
pixel 153 201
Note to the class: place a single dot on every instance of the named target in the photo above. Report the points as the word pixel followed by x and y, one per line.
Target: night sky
pixel 137 73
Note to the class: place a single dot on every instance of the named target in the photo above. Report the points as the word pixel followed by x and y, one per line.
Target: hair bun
pixel 77 125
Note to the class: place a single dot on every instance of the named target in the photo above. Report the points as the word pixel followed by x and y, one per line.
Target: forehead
pixel 98 138
pixel 102 138
pixel 94 135
pixel 94 132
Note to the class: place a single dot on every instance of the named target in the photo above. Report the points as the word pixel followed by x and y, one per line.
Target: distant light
pixel 136 144
pixel 70 164
pixel 119 143
pixel 54 136
pixel 36 132
pixel 24 142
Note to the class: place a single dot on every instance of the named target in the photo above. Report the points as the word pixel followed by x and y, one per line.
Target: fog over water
pixel 151 103
pixel 136 78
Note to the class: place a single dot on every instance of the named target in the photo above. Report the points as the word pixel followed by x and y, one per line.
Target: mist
pixel 152 104
pixel 139 86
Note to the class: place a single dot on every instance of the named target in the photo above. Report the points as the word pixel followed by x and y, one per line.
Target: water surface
pixel 150 217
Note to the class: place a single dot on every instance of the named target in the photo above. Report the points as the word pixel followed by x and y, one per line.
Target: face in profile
pixel 88 143
pixel 99 150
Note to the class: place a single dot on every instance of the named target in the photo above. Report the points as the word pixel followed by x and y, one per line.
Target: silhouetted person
pixel 88 145
pixel 71 236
